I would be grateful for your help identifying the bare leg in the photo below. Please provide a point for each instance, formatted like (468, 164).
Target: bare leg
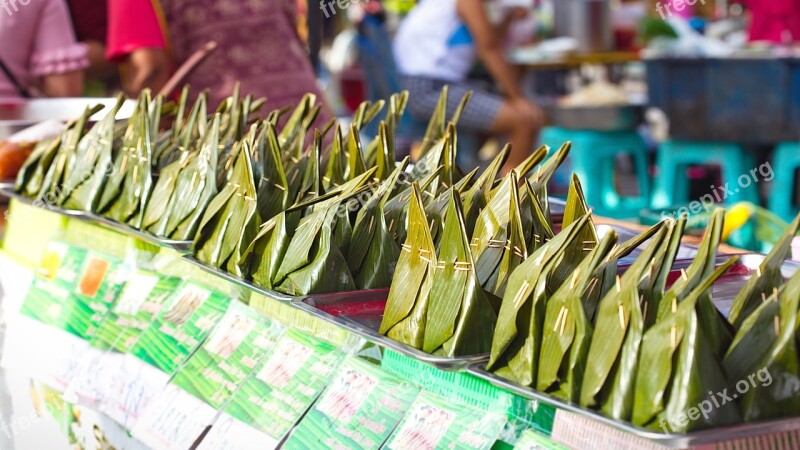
(522, 121)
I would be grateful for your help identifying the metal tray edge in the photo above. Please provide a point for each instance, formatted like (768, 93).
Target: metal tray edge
(442, 363)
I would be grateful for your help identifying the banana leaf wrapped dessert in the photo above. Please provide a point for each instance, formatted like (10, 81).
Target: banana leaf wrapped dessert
(764, 355)
(409, 295)
(127, 189)
(767, 280)
(517, 337)
(460, 319)
(680, 372)
(567, 330)
(313, 262)
(184, 189)
(231, 220)
(373, 253)
(608, 383)
(93, 159)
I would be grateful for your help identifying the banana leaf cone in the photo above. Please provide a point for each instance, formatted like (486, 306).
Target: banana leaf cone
(567, 329)
(396, 209)
(442, 157)
(60, 168)
(184, 190)
(460, 319)
(764, 354)
(381, 152)
(679, 371)
(492, 229)
(92, 161)
(185, 132)
(273, 187)
(611, 365)
(518, 334)
(336, 169)
(436, 211)
(292, 136)
(373, 253)
(437, 126)
(127, 189)
(478, 195)
(576, 208)
(513, 251)
(230, 222)
(544, 173)
(768, 278)
(313, 264)
(606, 273)
(409, 295)
(718, 329)
(355, 156)
(31, 174)
(537, 228)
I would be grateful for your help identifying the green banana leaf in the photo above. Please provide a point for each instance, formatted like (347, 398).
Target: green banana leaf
(60, 168)
(230, 222)
(611, 365)
(678, 368)
(396, 209)
(127, 189)
(478, 195)
(768, 278)
(513, 250)
(273, 187)
(336, 169)
(436, 211)
(764, 355)
(92, 161)
(576, 208)
(313, 264)
(409, 294)
(184, 190)
(460, 319)
(355, 156)
(373, 253)
(31, 174)
(567, 330)
(536, 227)
(544, 173)
(517, 337)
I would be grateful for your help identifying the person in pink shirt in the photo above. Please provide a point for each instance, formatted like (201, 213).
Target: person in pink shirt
(39, 54)
(776, 21)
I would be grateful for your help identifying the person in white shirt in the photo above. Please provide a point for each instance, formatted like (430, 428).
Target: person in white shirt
(438, 43)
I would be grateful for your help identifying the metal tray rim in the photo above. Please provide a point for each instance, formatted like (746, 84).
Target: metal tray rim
(440, 362)
(274, 295)
(674, 440)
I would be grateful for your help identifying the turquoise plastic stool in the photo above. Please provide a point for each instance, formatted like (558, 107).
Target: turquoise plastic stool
(672, 186)
(785, 161)
(593, 158)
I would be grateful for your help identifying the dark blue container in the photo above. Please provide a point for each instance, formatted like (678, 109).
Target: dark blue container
(754, 101)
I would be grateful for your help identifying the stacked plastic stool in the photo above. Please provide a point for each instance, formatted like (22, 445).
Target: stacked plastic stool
(674, 157)
(785, 162)
(593, 159)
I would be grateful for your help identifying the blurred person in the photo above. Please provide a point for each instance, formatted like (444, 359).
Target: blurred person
(90, 21)
(439, 43)
(39, 55)
(258, 46)
(776, 21)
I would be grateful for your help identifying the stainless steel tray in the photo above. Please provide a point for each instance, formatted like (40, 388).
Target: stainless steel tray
(179, 246)
(711, 436)
(237, 281)
(8, 191)
(366, 325)
(597, 118)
